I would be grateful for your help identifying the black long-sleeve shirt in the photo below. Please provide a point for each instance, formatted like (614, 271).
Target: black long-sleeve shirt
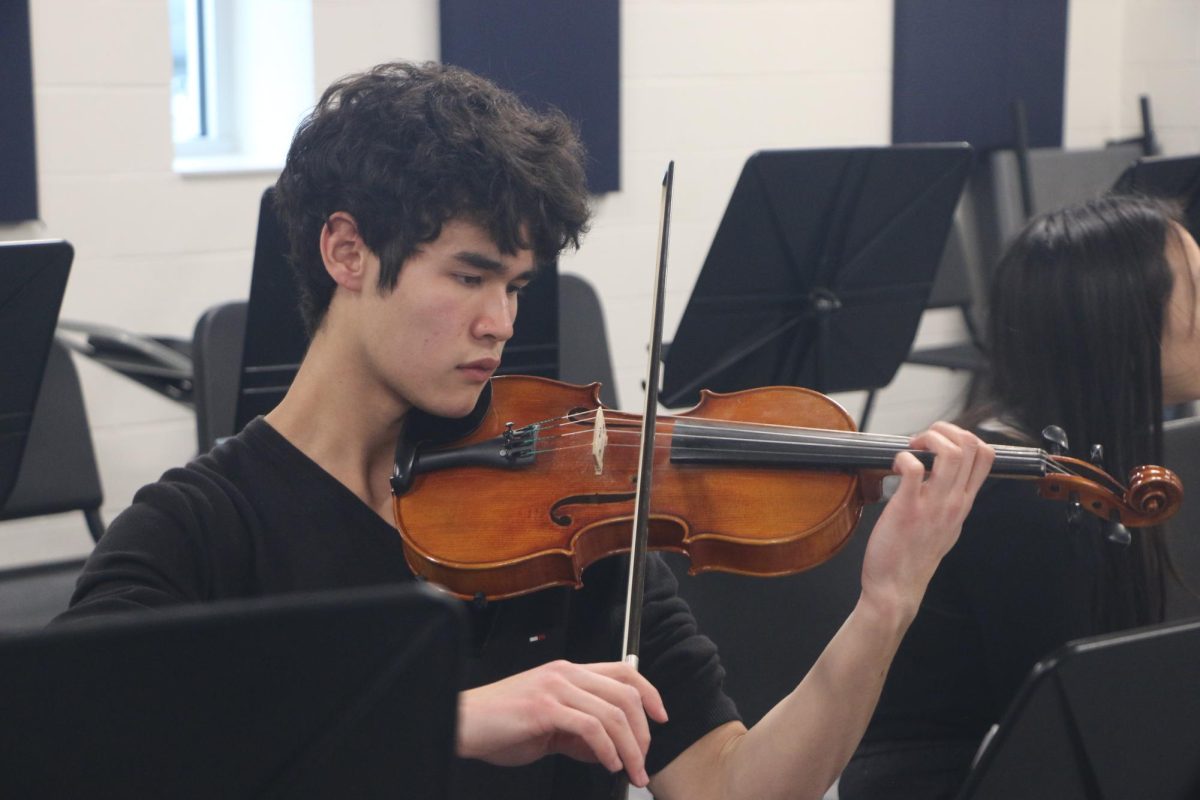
(257, 517)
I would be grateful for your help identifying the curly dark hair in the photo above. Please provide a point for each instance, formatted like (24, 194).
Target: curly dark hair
(404, 148)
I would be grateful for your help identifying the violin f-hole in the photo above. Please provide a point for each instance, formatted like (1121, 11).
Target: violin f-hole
(585, 499)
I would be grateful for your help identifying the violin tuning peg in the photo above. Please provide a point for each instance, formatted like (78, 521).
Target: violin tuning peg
(1074, 510)
(1096, 456)
(1117, 533)
(1055, 439)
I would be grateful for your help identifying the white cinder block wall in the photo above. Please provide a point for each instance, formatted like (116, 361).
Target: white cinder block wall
(704, 83)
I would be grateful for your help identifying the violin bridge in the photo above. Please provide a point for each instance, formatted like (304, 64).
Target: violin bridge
(599, 441)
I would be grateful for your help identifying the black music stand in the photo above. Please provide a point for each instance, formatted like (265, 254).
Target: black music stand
(1172, 177)
(343, 694)
(1108, 717)
(275, 338)
(33, 278)
(819, 270)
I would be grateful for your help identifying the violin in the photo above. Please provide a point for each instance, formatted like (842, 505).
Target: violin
(761, 482)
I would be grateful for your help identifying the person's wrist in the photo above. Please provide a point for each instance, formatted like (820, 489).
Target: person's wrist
(886, 613)
(465, 745)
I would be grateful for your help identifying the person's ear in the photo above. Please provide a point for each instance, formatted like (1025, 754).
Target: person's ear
(344, 252)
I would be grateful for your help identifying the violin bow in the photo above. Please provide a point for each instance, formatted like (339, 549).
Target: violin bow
(641, 516)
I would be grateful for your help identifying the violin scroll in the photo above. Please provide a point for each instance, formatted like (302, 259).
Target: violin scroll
(1155, 493)
(1152, 497)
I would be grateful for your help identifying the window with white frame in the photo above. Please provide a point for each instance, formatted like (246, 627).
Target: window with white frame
(242, 78)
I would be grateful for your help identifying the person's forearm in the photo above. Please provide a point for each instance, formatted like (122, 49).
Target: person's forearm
(801, 746)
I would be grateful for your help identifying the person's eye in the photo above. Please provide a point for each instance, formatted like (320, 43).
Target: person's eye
(518, 289)
(467, 279)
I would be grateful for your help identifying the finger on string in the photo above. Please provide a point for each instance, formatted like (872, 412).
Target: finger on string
(945, 454)
(968, 447)
(985, 457)
(912, 474)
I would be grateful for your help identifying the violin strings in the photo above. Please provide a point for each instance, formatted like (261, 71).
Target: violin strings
(799, 435)
(822, 455)
(847, 441)
(713, 428)
(1017, 456)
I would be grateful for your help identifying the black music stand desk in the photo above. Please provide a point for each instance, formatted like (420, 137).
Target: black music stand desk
(341, 694)
(1109, 717)
(33, 278)
(819, 271)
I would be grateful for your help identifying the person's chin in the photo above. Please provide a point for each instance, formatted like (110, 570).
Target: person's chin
(460, 404)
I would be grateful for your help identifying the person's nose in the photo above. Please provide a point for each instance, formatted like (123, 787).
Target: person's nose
(496, 319)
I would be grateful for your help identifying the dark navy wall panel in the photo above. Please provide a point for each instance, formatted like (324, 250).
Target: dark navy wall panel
(564, 53)
(18, 166)
(960, 64)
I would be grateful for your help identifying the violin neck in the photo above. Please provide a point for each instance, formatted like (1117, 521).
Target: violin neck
(713, 442)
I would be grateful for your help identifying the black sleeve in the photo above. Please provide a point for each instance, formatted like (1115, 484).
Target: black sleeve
(683, 665)
(178, 537)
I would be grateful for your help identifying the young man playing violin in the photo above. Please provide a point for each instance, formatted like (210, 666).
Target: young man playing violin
(419, 200)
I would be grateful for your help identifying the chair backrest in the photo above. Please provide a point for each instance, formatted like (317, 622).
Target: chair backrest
(58, 472)
(583, 337)
(275, 339)
(1057, 178)
(1181, 441)
(216, 365)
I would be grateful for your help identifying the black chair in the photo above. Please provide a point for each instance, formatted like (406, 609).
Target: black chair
(582, 337)
(216, 366)
(1181, 440)
(1056, 178)
(58, 471)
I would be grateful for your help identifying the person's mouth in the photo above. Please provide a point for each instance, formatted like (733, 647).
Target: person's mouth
(480, 369)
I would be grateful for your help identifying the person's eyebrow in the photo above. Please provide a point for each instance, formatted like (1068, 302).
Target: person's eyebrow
(489, 264)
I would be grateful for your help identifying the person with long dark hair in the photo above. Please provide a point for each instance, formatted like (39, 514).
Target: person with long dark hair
(1092, 327)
